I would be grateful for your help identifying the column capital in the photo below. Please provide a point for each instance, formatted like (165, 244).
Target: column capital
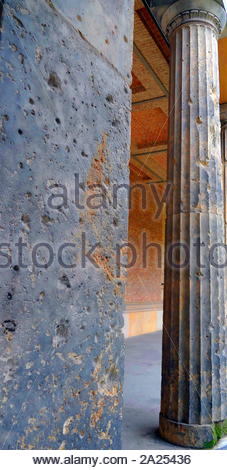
(223, 114)
(209, 12)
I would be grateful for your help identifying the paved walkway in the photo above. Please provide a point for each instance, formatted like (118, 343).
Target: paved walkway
(142, 393)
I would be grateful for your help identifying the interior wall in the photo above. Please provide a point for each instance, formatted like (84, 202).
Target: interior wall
(144, 291)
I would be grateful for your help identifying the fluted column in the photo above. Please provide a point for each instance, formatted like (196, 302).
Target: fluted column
(193, 403)
(224, 159)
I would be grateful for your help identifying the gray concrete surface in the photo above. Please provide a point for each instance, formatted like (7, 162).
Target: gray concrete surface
(65, 119)
(142, 388)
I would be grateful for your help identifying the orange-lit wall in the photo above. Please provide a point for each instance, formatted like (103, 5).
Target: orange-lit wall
(222, 45)
(145, 284)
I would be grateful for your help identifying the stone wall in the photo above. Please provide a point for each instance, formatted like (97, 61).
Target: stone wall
(65, 111)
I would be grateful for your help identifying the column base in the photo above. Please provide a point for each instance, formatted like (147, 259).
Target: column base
(192, 435)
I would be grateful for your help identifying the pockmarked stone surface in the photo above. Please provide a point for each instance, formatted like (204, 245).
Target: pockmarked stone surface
(193, 408)
(223, 110)
(65, 119)
(108, 27)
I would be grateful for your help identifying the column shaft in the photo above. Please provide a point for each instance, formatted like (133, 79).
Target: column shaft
(194, 366)
(224, 160)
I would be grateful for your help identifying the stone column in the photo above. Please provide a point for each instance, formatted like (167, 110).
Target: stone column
(193, 403)
(64, 140)
(224, 159)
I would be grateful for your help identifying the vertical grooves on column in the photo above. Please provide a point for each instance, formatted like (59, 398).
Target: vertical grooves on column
(193, 294)
(197, 271)
(218, 370)
(224, 332)
(181, 354)
(174, 332)
(166, 344)
(205, 335)
(206, 408)
(193, 337)
(177, 283)
(214, 202)
(183, 390)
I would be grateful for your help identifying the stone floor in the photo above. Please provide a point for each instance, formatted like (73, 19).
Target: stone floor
(142, 393)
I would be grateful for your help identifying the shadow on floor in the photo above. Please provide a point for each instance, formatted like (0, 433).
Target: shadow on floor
(142, 390)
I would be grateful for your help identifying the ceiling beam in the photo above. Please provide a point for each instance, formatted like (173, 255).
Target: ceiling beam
(146, 167)
(152, 103)
(153, 152)
(150, 69)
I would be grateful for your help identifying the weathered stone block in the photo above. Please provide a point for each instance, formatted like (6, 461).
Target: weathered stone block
(65, 110)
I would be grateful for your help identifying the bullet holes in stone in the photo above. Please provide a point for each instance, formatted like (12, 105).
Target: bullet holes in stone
(109, 98)
(16, 268)
(65, 281)
(21, 58)
(115, 123)
(31, 101)
(20, 132)
(25, 218)
(46, 219)
(18, 21)
(62, 328)
(54, 81)
(42, 295)
(9, 326)
(58, 121)
(9, 296)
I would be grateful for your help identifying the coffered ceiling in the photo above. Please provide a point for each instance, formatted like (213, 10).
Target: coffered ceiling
(150, 83)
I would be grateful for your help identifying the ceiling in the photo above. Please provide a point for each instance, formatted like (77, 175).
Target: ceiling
(150, 83)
